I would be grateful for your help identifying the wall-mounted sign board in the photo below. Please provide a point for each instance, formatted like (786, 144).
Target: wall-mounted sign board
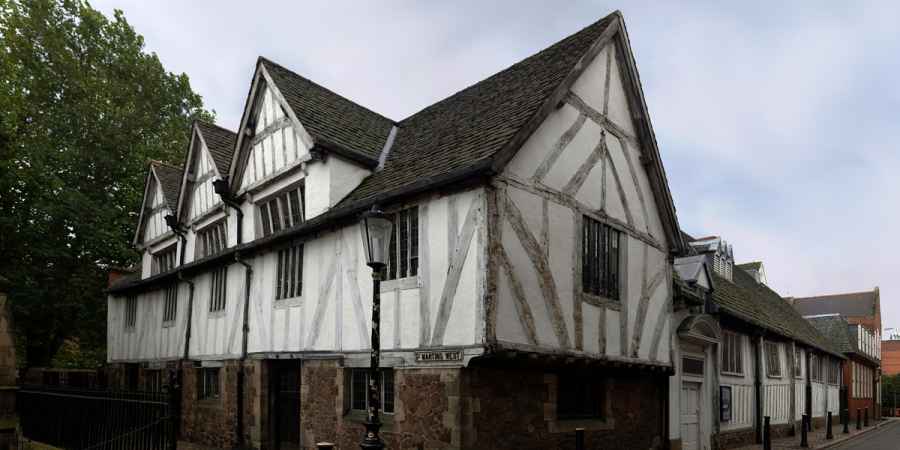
(439, 356)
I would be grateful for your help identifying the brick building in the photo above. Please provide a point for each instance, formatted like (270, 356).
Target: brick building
(861, 370)
(861, 309)
(890, 357)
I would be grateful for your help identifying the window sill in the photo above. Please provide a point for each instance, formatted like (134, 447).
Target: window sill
(285, 303)
(401, 284)
(358, 416)
(601, 301)
(732, 374)
(569, 425)
(168, 323)
(217, 314)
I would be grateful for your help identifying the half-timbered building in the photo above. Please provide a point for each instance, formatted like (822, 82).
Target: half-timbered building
(743, 354)
(532, 286)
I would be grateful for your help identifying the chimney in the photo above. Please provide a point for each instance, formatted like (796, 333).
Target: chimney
(115, 273)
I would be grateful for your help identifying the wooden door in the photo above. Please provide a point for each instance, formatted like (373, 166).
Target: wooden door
(690, 416)
(286, 405)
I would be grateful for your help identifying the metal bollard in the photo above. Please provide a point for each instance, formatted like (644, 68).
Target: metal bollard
(845, 416)
(866, 418)
(858, 419)
(325, 446)
(803, 430)
(579, 439)
(767, 434)
(828, 433)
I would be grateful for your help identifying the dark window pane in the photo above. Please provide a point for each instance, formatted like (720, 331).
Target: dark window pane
(296, 211)
(264, 217)
(392, 253)
(388, 390)
(276, 215)
(358, 388)
(403, 225)
(414, 240)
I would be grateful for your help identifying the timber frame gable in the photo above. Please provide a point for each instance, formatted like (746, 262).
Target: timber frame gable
(644, 137)
(162, 179)
(323, 122)
(201, 145)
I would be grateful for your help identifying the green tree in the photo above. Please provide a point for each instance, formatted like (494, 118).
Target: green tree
(83, 107)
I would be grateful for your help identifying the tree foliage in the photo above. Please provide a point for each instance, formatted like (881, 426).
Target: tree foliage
(83, 107)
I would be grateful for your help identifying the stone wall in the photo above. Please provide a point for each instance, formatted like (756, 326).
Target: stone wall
(209, 422)
(516, 408)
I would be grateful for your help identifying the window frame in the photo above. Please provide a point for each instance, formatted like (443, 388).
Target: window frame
(586, 386)
(387, 383)
(403, 253)
(218, 290)
(289, 279)
(283, 201)
(773, 355)
(607, 281)
(170, 304)
(207, 234)
(738, 345)
(167, 256)
(797, 369)
(209, 383)
(130, 315)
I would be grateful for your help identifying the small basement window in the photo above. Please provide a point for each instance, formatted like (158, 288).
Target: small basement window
(579, 396)
(208, 383)
(359, 390)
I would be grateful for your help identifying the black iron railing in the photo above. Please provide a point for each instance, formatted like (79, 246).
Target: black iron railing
(75, 418)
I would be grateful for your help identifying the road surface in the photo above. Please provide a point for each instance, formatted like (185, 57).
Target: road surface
(885, 438)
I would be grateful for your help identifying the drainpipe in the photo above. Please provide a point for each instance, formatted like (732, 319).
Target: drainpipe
(190, 315)
(222, 189)
(245, 330)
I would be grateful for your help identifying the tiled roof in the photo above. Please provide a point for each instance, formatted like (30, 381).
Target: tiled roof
(170, 182)
(755, 265)
(848, 305)
(477, 122)
(330, 117)
(837, 330)
(759, 305)
(220, 143)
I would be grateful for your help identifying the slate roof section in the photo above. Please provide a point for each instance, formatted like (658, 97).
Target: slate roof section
(170, 182)
(329, 117)
(755, 265)
(220, 143)
(837, 330)
(749, 301)
(854, 304)
(474, 124)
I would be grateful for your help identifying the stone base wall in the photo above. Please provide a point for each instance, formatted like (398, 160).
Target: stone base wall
(209, 422)
(426, 405)
(734, 439)
(516, 408)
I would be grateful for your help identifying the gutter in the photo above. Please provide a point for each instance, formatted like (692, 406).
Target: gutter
(329, 220)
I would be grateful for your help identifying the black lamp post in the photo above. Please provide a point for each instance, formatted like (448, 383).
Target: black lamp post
(376, 230)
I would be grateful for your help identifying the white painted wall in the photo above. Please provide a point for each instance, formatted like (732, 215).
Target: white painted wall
(743, 400)
(334, 312)
(202, 197)
(279, 150)
(155, 222)
(572, 164)
(777, 390)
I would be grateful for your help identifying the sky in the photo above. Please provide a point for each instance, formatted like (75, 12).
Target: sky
(777, 122)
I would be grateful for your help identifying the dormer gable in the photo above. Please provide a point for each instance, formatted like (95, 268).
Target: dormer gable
(161, 192)
(209, 158)
(719, 254)
(289, 121)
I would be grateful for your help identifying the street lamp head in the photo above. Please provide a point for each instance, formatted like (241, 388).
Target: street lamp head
(376, 229)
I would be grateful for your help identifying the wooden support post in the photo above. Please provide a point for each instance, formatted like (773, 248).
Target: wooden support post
(767, 434)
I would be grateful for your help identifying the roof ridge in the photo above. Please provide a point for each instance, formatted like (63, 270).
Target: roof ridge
(212, 124)
(263, 59)
(510, 67)
(816, 297)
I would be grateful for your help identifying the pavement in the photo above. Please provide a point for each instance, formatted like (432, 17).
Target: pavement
(882, 435)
